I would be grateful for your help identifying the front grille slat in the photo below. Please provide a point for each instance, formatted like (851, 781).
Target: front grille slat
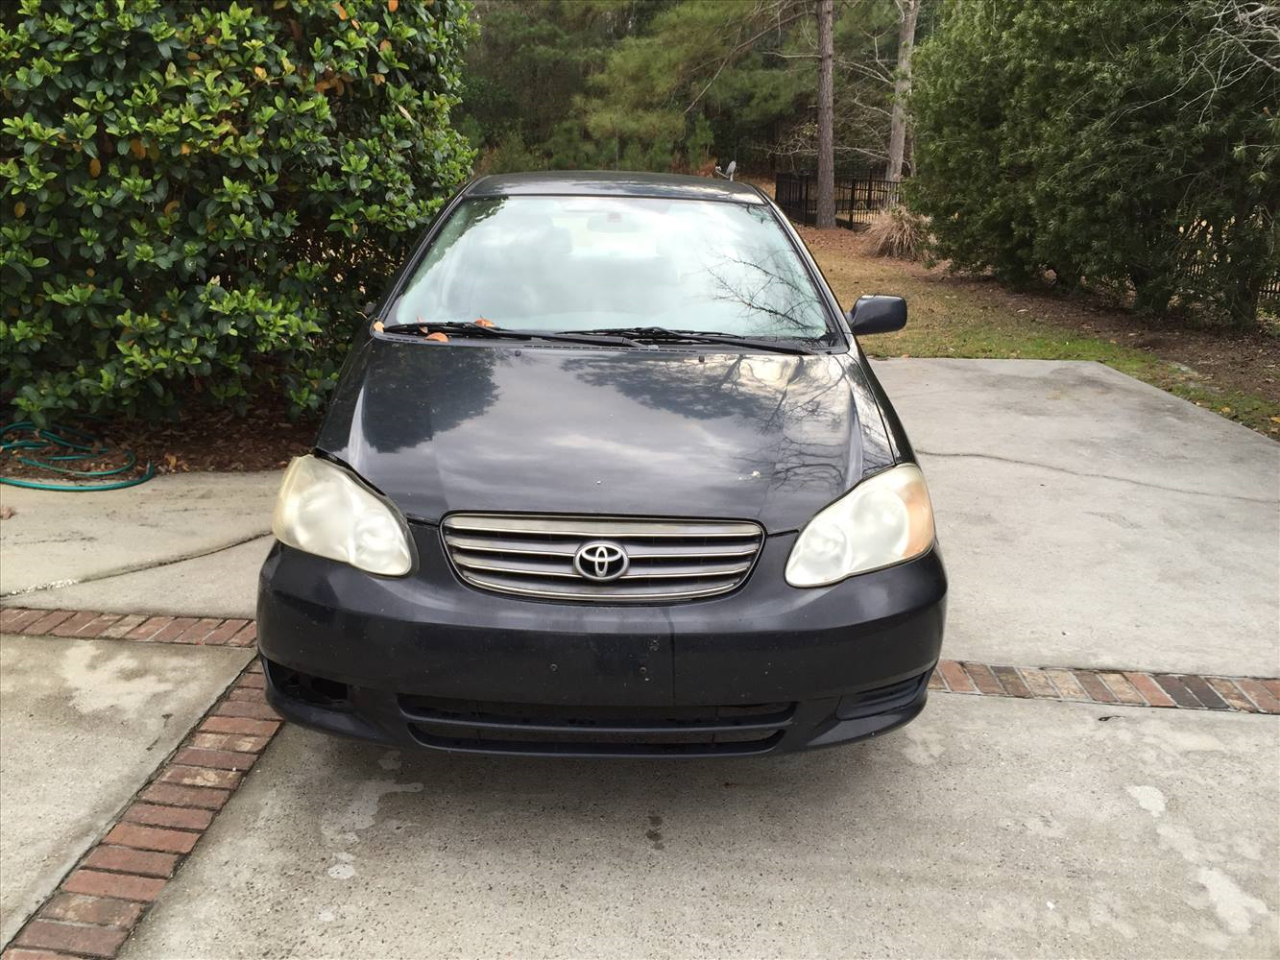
(525, 567)
(571, 590)
(471, 544)
(670, 571)
(533, 556)
(594, 528)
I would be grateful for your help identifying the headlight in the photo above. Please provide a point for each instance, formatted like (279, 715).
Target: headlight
(324, 510)
(884, 520)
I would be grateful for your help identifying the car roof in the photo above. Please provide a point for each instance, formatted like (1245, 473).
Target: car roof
(609, 183)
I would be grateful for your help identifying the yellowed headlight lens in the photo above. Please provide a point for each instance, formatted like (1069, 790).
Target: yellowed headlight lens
(322, 509)
(884, 520)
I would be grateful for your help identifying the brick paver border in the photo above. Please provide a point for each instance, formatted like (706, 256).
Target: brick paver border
(100, 902)
(1116, 687)
(1136, 688)
(90, 625)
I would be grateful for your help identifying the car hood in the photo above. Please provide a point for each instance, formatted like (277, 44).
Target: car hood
(653, 433)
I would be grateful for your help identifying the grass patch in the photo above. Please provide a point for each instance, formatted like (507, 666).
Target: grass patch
(957, 317)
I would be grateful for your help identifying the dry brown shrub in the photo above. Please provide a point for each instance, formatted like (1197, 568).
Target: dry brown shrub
(897, 233)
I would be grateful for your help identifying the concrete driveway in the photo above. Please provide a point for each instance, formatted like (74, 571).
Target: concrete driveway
(1088, 521)
(64, 539)
(84, 723)
(1091, 519)
(1000, 828)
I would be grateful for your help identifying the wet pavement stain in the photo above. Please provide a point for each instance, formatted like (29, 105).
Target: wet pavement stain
(653, 834)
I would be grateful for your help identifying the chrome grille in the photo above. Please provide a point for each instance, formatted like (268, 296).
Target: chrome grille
(534, 556)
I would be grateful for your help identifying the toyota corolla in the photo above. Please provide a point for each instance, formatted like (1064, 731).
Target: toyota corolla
(606, 473)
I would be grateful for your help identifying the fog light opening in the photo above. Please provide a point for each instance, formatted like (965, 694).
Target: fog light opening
(317, 691)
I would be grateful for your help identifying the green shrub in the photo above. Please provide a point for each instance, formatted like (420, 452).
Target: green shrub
(198, 199)
(1134, 146)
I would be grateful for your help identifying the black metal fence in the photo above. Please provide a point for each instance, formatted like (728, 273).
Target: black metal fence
(859, 200)
(1269, 294)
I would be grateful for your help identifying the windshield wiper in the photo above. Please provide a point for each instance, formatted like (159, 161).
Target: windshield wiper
(665, 335)
(469, 328)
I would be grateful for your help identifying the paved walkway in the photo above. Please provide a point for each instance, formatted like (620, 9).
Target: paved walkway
(1095, 774)
(77, 538)
(84, 724)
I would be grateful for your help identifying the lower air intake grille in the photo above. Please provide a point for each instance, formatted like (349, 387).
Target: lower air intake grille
(601, 559)
(603, 731)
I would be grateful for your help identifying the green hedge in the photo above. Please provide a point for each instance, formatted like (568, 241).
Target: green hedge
(198, 199)
(1134, 146)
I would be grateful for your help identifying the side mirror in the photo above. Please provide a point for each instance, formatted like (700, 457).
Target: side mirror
(877, 314)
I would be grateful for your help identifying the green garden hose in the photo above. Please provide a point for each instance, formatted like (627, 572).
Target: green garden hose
(79, 446)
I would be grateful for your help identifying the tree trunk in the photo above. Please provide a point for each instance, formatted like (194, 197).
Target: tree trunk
(826, 213)
(910, 12)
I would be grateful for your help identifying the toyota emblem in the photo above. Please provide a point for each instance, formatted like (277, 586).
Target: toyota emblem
(601, 561)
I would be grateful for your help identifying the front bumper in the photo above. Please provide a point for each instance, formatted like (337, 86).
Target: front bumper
(427, 661)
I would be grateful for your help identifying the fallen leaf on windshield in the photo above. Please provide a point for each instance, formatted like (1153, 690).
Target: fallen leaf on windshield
(483, 322)
(377, 325)
(438, 337)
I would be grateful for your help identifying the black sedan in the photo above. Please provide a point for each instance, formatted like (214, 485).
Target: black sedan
(606, 474)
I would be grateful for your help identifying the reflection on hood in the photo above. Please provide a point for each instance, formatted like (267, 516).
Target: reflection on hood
(670, 433)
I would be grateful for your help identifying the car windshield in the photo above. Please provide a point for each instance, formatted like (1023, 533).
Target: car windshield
(589, 263)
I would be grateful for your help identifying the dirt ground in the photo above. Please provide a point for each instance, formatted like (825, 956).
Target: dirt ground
(200, 440)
